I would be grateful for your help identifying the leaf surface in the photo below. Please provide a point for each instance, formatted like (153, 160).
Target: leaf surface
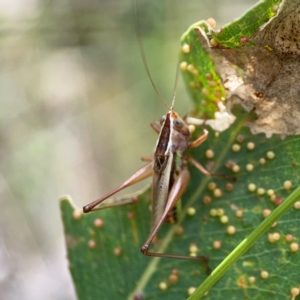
(106, 262)
(98, 272)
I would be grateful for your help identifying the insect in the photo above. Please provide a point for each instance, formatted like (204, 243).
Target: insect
(167, 166)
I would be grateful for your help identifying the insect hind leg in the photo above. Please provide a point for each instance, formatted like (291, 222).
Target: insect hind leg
(205, 172)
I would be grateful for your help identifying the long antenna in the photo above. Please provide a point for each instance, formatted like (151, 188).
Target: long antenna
(138, 34)
(175, 86)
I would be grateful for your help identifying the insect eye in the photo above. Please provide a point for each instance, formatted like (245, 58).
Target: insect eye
(162, 119)
(178, 123)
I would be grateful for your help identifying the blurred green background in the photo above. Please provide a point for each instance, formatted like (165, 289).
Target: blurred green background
(75, 111)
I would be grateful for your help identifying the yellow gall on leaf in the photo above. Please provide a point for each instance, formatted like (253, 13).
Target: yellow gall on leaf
(92, 244)
(287, 185)
(260, 191)
(77, 214)
(212, 22)
(186, 48)
(211, 185)
(224, 219)
(217, 245)
(251, 187)
(98, 223)
(251, 279)
(205, 92)
(209, 154)
(118, 252)
(190, 68)
(250, 146)
(294, 247)
(214, 42)
(213, 212)
(183, 65)
(297, 205)
(236, 147)
(239, 213)
(262, 161)
(289, 237)
(193, 249)
(249, 167)
(236, 168)
(179, 230)
(295, 291)
(270, 154)
(275, 8)
(218, 193)
(220, 212)
(191, 290)
(191, 211)
(264, 274)
(195, 72)
(231, 230)
(266, 212)
(276, 236)
(163, 286)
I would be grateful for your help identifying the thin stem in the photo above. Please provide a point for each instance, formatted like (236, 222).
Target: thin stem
(247, 243)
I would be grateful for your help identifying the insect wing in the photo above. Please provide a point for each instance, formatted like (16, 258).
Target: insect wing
(160, 188)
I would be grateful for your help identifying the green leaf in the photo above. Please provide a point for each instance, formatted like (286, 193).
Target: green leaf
(202, 80)
(231, 36)
(99, 273)
(105, 261)
(247, 243)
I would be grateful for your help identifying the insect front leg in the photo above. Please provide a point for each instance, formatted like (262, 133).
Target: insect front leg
(175, 194)
(155, 126)
(139, 175)
(199, 140)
